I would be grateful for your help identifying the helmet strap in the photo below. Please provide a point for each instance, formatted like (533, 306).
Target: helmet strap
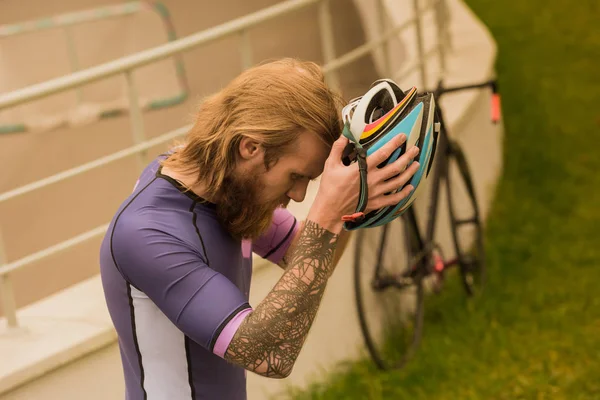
(351, 221)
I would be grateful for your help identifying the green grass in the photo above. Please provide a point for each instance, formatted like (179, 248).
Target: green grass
(536, 333)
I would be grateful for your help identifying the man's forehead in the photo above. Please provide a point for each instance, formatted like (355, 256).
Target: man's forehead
(311, 164)
(313, 170)
(309, 153)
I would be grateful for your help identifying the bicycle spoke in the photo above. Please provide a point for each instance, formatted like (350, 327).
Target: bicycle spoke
(389, 301)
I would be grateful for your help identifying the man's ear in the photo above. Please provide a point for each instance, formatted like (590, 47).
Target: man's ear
(249, 148)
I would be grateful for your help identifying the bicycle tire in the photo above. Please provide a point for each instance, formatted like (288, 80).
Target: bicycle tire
(471, 259)
(381, 347)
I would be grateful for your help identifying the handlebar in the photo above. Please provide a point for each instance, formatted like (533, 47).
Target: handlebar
(495, 100)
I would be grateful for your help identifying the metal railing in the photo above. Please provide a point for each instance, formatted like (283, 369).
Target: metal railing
(126, 65)
(67, 21)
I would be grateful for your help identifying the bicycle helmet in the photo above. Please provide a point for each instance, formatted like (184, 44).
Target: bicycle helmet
(372, 120)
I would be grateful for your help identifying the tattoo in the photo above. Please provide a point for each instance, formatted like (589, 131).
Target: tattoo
(270, 338)
(283, 264)
(285, 260)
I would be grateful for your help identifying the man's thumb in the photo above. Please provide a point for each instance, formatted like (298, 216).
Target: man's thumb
(337, 150)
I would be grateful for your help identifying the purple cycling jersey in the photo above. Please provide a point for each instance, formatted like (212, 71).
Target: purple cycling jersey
(176, 286)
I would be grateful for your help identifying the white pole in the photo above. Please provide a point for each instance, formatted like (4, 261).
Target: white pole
(327, 42)
(73, 58)
(7, 296)
(245, 49)
(420, 50)
(137, 122)
(385, 53)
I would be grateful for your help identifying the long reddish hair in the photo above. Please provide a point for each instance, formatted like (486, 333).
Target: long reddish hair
(271, 103)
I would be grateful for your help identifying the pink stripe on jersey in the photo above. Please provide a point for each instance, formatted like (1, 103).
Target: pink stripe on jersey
(246, 248)
(278, 254)
(274, 243)
(227, 333)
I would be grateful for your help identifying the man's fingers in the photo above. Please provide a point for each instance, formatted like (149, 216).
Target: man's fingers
(337, 149)
(397, 167)
(398, 197)
(398, 181)
(390, 199)
(386, 151)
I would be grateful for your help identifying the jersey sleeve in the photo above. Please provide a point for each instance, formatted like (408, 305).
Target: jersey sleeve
(202, 303)
(274, 243)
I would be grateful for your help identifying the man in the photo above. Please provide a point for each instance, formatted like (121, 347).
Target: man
(176, 260)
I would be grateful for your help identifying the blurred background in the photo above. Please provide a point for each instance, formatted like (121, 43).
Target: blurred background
(91, 90)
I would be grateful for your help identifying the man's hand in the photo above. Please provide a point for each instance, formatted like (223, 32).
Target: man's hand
(339, 188)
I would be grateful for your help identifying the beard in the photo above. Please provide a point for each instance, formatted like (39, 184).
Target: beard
(240, 210)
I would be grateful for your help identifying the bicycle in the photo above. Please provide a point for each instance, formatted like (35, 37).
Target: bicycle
(422, 256)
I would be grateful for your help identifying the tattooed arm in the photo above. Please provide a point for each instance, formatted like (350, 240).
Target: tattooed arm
(343, 240)
(270, 338)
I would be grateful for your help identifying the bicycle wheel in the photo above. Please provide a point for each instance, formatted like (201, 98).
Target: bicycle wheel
(389, 292)
(465, 222)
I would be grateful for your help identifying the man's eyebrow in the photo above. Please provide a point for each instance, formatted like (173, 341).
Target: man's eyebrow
(304, 174)
(311, 176)
(308, 173)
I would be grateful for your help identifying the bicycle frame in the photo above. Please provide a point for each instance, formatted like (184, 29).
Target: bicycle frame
(424, 243)
(424, 256)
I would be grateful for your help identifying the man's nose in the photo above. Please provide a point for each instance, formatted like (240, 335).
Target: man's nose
(298, 191)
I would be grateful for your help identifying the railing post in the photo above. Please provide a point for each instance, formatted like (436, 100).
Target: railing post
(7, 296)
(73, 59)
(385, 53)
(420, 50)
(327, 43)
(440, 21)
(245, 49)
(137, 122)
(445, 15)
